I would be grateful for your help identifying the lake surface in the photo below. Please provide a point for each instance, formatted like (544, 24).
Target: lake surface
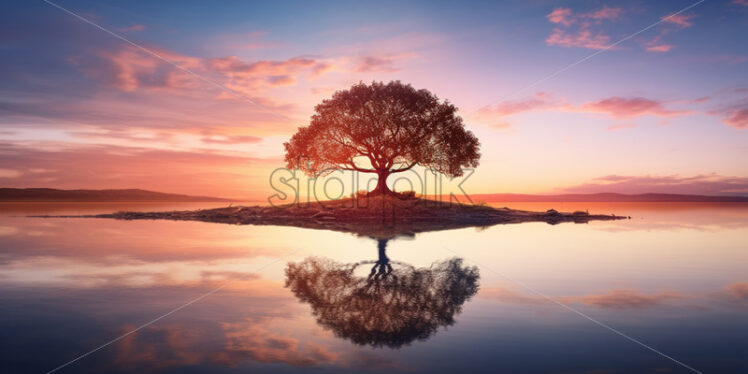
(521, 298)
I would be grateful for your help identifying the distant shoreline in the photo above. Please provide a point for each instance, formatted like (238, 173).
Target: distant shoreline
(50, 195)
(608, 197)
(119, 201)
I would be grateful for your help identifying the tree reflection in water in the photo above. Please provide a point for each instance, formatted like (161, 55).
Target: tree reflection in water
(391, 306)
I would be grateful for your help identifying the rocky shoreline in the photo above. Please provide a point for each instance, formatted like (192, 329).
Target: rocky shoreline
(375, 217)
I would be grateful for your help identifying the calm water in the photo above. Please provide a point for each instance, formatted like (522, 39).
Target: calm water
(674, 277)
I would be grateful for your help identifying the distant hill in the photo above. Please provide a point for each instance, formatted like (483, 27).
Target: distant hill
(607, 197)
(51, 194)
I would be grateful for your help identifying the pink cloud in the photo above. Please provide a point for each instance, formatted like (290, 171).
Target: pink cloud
(660, 48)
(682, 20)
(735, 294)
(583, 35)
(248, 339)
(620, 107)
(615, 107)
(586, 30)
(236, 66)
(322, 68)
(731, 106)
(605, 13)
(679, 20)
(129, 69)
(620, 299)
(737, 291)
(710, 184)
(740, 2)
(513, 107)
(583, 38)
(614, 299)
(240, 341)
(540, 101)
(625, 299)
(562, 16)
(737, 119)
(511, 296)
(248, 77)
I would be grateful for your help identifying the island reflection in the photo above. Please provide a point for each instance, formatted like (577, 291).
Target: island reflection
(392, 306)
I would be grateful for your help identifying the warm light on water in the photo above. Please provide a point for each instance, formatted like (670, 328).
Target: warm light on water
(673, 277)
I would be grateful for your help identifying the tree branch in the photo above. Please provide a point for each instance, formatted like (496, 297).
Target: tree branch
(403, 169)
(356, 168)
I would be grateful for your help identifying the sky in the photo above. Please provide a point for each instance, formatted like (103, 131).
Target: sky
(198, 97)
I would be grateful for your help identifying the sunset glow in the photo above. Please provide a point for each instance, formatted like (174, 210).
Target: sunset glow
(203, 98)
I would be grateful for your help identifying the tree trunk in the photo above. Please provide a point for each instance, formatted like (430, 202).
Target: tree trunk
(382, 249)
(382, 183)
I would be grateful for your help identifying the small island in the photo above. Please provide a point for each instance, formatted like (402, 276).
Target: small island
(376, 216)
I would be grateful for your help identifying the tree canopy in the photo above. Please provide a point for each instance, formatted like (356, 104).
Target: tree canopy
(383, 128)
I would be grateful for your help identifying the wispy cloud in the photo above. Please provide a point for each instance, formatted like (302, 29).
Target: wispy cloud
(670, 24)
(737, 119)
(209, 172)
(231, 139)
(709, 184)
(660, 47)
(592, 29)
(622, 107)
(616, 107)
(682, 20)
(625, 299)
(539, 101)
(562, 16)
(383, 63)
(129, 69)
(10, 173)
(737, 291)
(581, 29)
(619, 299)
(605, 12)
(583, 38)
(732, 108)
(135, 27)
(255, 76)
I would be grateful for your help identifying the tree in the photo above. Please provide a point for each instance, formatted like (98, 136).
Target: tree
(383, 129)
